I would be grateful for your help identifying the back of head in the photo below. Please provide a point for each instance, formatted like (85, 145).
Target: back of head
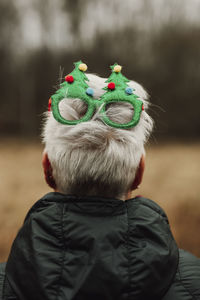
(93, 158)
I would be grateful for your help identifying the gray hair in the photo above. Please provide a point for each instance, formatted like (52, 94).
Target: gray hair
(92, 158)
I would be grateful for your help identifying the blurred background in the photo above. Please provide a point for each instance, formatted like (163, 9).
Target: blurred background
(158, 44)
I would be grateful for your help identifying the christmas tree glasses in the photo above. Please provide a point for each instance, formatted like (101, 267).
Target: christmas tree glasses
(117, 91)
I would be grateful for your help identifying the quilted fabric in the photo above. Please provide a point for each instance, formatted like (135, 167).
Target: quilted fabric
(80, 248)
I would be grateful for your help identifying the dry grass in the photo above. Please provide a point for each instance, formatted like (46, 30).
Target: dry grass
(172, 179)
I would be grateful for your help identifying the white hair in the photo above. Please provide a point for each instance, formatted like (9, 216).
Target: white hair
(92, 158)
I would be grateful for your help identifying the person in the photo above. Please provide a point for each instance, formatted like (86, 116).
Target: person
(89, 239)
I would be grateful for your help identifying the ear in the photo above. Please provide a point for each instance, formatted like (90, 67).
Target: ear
(48, 171)
(139, 174)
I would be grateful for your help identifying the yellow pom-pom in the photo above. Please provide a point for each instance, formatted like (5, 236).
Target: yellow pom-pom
(83, 67)
(117, 68)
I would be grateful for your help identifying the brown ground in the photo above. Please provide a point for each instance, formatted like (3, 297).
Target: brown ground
(172, 179)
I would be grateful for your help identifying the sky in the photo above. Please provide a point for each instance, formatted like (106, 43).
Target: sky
(49, 24)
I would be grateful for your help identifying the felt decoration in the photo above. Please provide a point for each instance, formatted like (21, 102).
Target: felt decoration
(117, 77)
(69, 78)
(111, 86)
(83, 67)
(75, 89)
(120, 95)
(49, 105)
(117, 91)
(90, 92)
(129, 90)
(117, 68)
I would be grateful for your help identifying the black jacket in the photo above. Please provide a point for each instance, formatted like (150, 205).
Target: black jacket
(82, 248)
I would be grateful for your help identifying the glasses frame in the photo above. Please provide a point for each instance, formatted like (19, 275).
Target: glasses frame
(95, 104)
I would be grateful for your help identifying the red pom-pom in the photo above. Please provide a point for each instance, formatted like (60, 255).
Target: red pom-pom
(111, 86)
(69, 78)
(142, 107)
(49, 105)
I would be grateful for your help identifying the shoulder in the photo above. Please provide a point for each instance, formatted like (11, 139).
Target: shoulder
(189, 272)
(186, 285)
(148, 205)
